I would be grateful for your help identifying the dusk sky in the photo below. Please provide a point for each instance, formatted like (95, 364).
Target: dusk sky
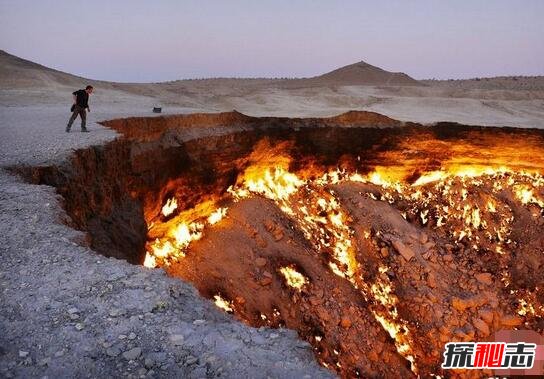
(142, 41)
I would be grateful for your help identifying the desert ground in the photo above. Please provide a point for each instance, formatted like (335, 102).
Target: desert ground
(68, 311)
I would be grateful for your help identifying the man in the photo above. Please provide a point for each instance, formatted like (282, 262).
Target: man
(80, 107)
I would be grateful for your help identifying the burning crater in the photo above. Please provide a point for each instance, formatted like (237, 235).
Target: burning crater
(377, 241)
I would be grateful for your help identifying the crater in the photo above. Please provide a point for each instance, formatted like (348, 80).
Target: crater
(378, 241)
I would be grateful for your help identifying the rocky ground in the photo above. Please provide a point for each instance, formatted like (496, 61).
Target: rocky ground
(68, 312)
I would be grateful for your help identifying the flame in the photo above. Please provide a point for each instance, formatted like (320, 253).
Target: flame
(382, 292)
(184, 234)
(526, 195)
(217, 216)
(149, 261)
(170, 206)
(223, 304)
(293, 278)
(462, 198)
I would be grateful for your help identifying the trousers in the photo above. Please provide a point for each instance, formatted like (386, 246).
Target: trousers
(82, 113)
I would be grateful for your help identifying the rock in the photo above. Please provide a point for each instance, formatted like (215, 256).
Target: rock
(142, 371)
(23, 354)
(113, 351)
(73, 310)
(261, 242)
(403, 250)
(423, 238)
(486, 315)
(511, 320)
(484, 278)
(190, 360)
(79, 326)
(149, 363)
(384, 251)
(269, 224)
(429, 245)
(59, 353)
(44, 362)
(459, 304)
(345, 323)
(114, 312)
(265, 281)
(260, 262)
(462, 304)
(459, 333)
(481, 326)
(448, 258)
(132, 354)
(315, 301)
(278, 235)
(240, 300)
(431, 281)
(177, 339)
(132, 336)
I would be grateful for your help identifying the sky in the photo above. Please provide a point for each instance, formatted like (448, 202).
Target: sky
(159, 40)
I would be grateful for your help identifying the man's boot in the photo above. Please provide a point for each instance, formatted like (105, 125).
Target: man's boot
(84, 130)
(67, 129)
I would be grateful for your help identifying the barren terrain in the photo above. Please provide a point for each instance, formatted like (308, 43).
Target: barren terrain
(394, 260)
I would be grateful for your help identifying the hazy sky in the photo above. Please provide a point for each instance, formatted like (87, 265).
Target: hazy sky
(139, 40)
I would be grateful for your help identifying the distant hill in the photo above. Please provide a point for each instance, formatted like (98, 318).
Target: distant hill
(19, 73)
(529, 83)
(362, 73)
(16, 72)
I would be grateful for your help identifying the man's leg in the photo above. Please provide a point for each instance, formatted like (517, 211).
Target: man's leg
(72, 118)
(83, 115)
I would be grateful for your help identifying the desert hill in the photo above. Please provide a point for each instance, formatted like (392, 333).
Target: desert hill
(17, 72)
(362, 73)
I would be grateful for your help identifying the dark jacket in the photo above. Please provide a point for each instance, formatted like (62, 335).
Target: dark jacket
(82, 98)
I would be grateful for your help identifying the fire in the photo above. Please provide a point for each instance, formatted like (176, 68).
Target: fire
(170, 206)
(382, 292)
(526, 195)
(149, 261)
(293, 278)
(184, 234)
(223, 304)
(461, 201)
(217, 216)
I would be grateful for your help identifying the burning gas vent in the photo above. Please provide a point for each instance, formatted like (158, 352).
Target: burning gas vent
(378, 242)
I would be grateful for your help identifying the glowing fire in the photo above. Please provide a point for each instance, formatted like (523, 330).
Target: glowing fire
(293, 278)
(170, 206)
(461, 200)
(217, 216)
(223, 304)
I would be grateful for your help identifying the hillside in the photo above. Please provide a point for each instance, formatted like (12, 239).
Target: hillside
(362, 73)
(515, 83)
(18, 73)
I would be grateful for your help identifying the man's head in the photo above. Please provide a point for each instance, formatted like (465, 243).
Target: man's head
(89, 89)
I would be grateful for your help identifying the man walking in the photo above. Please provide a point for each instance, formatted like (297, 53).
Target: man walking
(80, 107)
